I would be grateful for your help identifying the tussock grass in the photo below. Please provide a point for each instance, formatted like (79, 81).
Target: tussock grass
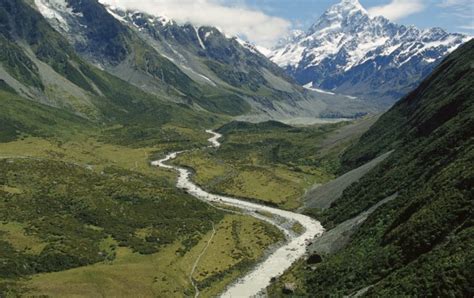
(239, 241)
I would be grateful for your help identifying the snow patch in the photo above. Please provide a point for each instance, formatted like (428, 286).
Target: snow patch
(289, 56)
(264, 51)
(199, 38)
(54, 10)
(247, 45)
(200, 75)
(309, 86)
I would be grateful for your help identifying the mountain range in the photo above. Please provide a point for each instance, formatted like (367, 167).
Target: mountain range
(346, 65)
(349, 51)
(196, 66)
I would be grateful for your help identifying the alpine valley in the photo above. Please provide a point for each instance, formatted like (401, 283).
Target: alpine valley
(145, 157)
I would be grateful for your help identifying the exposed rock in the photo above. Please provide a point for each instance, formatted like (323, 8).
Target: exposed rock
(289, 288)
(314, 259)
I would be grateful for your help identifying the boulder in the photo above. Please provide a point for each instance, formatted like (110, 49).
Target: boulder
(314, 259)
(289, 288)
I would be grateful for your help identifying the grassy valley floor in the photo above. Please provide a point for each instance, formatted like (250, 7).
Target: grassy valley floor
(87, 218)
(238, 243)
(272, 162)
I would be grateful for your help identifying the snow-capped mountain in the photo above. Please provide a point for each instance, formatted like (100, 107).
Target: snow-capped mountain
(193, 65)
(351, 52)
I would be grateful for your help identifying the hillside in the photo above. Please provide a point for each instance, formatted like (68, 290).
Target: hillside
(197, 66)
(421, 241)
(39, 65)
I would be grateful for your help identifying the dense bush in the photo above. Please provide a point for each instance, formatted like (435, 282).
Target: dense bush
(420, 244)
(60, 202)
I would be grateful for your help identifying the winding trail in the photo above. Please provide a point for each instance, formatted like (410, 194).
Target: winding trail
(278, 261)
(196, 263)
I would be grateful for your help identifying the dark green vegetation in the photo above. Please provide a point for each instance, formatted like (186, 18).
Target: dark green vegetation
(19, 117)
(421, 243)
(277, 143)
(18, 64)
(72, 210)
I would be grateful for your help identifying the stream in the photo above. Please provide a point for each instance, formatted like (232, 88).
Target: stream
(254, 282)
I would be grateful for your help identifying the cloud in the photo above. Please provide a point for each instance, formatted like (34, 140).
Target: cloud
(235, 20)
(462, 10)
(459, 8)
(398, 9)
(451, 3)
(467, 27)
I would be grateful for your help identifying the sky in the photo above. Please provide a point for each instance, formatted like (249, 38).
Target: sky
(264, 22)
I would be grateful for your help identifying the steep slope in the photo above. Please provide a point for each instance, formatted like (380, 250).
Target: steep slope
(196, 66)
(39, 65)
(104, 41)
(350, 52)
(210, 57)
(421, 242)
(207, 48)
(20, 117)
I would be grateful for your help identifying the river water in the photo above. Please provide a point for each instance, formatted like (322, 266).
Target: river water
(255, 282)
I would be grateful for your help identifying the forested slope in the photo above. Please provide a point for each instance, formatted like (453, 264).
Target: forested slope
(422, 242)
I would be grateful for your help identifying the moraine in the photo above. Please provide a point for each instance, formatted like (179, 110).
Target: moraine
(278, 261)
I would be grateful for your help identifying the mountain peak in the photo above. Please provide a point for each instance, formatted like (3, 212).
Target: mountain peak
(343, 14)
(347, 7)
(346, 44)
(351, 3)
